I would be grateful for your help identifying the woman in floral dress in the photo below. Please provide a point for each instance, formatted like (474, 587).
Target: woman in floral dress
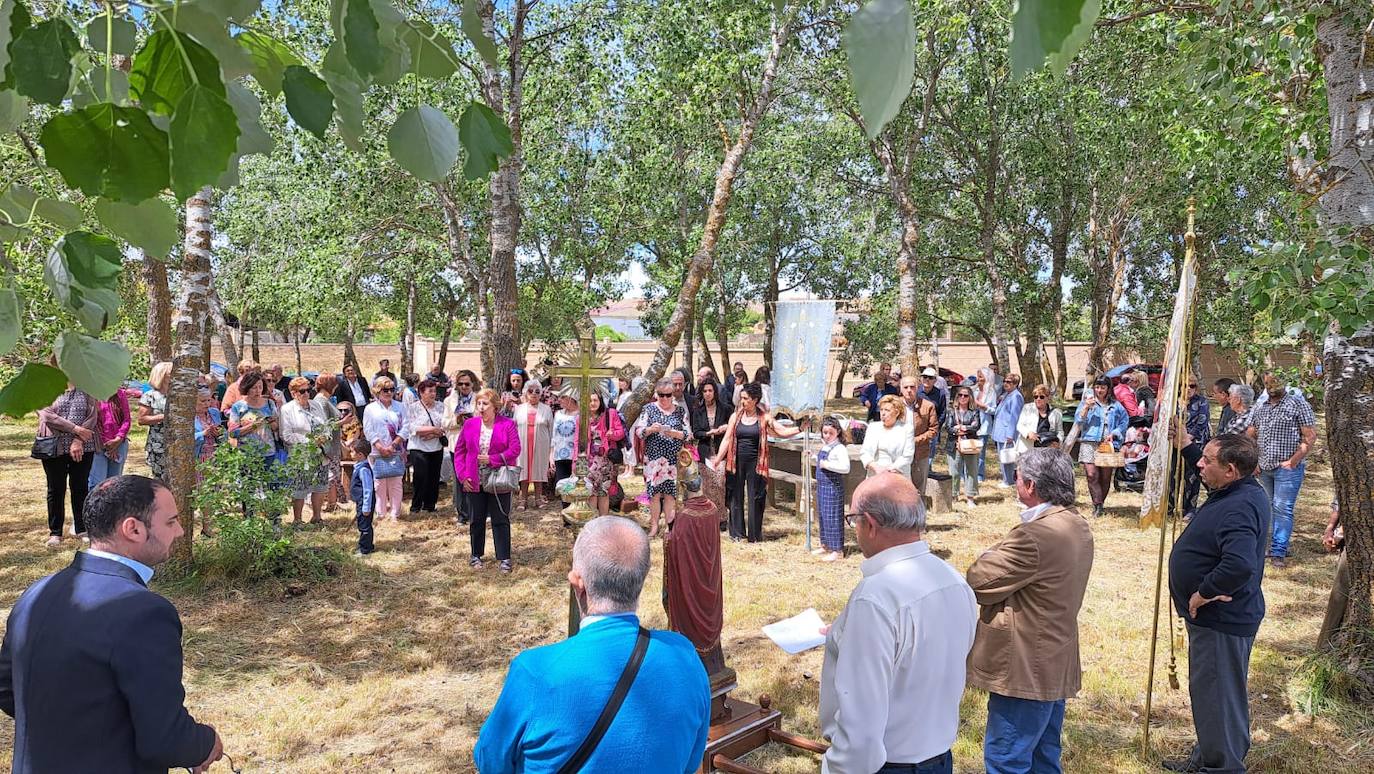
(664, 431)
(152, 411)
(607, 431)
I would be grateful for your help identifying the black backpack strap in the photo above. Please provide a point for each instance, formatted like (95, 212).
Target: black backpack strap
(612, 707)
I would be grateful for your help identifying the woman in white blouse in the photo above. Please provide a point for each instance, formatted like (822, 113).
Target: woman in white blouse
(891, 445)
(303, 423)
(1040, 423)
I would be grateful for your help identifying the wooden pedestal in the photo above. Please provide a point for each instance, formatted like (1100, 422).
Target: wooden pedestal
(737, 727)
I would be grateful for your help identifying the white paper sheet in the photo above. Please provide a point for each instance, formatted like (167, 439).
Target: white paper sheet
(798, 633)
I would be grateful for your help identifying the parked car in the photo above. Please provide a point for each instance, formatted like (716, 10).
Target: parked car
(1154, 371)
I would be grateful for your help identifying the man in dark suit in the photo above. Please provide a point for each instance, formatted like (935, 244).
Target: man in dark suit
(90, 668)
(354, 389)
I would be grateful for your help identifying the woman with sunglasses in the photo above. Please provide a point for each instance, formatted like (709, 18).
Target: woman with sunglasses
(1040, 423)
(963, 420)
(534, 420)
(305, 430)
(382, 423)
(665, 428)
(744, 449)
(350, 430)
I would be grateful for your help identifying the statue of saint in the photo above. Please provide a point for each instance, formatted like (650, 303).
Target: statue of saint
(693, 588)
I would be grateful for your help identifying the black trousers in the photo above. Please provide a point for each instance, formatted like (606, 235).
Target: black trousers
(561, 470)
(1218, 670)
(424, 484)
(61, 473)
(480, 506)
(747, 486)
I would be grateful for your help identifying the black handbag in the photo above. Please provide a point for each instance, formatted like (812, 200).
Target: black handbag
(608, 713)
(44, 448)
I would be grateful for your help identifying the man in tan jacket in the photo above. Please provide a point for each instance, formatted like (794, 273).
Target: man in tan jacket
(1029, 588)
(924, 421)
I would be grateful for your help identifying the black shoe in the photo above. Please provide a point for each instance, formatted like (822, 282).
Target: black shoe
(1097, 511)
(1182, 764)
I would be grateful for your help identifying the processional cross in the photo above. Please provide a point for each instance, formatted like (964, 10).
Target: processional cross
(588, 367)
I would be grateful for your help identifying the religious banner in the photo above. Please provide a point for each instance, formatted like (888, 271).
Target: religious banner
(801, 351)
(1172, 404)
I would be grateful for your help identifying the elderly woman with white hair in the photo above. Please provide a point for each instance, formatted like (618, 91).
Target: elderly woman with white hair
(1241, 399)
(663, 434)
(534, 421)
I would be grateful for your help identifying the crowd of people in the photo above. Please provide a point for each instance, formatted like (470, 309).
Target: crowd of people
(1008, 625)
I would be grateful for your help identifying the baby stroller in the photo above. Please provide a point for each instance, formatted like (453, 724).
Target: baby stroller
(1136, 451)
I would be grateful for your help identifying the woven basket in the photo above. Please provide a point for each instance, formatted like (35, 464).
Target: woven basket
(1107, 457)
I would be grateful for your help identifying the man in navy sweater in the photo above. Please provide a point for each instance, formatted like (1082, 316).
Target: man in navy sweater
(1215, 571)
(90, 668)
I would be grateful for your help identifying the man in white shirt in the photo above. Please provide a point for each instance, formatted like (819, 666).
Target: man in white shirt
(894, 659)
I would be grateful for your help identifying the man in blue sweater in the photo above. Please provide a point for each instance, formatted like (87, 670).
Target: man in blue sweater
(1215, 571)
(555, 694)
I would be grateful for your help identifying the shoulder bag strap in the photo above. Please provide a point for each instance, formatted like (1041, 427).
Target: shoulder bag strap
(612, 707)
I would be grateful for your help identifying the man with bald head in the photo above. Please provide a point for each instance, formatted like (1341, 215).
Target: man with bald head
(550, 714)
(894, 659)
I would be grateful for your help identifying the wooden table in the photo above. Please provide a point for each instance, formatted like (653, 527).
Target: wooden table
(785, 466)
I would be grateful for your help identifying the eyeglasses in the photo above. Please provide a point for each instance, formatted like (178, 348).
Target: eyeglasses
(1192, 386)
(665, 395)
(465, 384)
(1042, 397)
(386, 389)
(852, 517)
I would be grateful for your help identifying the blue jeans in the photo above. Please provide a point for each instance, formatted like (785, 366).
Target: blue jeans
(940, 764)
(1282, 487)
(103, 467)
(983, 457)
(1022, 735)
(364, 522)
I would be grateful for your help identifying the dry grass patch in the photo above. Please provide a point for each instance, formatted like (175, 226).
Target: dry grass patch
(394, 665)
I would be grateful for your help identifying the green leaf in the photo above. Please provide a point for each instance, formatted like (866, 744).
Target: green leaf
(108, 32)
(18, 203)
(486, 138)
(238, 10)
(91, 89)
(161, 74)
(881, 44)
(348, 97)
(41, 60)
(248, 111)
(204, 135)
(431, 54)
(94, 307)
(424, 142)
(96, 366)
(209, 30)
(35, 387)
(64, 215)
(270, 59)
(362, 43)
(9, 320)
(106, 150)
(13, 110)
(472, 28)
(94, 261)
(1053, 29)
(308, 100)
(150, 225)
(14, 19)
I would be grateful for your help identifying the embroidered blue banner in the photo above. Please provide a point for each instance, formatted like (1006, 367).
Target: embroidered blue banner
(801, 353)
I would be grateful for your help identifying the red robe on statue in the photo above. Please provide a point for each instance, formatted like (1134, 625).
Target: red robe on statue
(692, 578)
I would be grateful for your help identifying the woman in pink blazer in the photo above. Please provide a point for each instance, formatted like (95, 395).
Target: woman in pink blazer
(486, 440)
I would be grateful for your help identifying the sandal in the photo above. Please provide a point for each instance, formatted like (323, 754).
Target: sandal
(475, 562)
(505, 565)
